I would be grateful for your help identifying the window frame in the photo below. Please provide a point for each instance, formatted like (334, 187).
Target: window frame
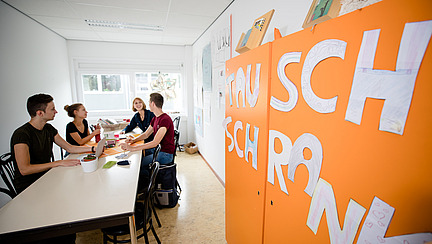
(130, 68)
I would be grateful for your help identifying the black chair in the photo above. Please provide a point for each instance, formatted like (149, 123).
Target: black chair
(7, 173)
(155, 154)
(176, 142)
(143, 216)
(176, 122)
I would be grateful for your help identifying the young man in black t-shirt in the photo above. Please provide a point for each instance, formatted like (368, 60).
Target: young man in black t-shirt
(31, 144)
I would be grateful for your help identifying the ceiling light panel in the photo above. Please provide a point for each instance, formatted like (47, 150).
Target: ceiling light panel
(120, 25)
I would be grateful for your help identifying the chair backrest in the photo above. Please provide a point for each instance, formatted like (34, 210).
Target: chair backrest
(156, 153)
(176, 141)
(176, 122)
(7, 173)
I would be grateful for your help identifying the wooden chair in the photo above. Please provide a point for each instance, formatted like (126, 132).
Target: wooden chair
(7, 173)
(143, 216)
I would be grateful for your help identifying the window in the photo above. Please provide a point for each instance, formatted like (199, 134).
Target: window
(104, 93)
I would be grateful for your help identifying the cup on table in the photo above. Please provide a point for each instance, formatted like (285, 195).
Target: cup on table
(89, 166)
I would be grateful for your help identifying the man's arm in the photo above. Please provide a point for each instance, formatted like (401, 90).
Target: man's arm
(156, 140)
(22, 158)
(143, 136)
(70, 148)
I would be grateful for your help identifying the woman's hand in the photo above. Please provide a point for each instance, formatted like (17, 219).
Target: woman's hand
(96, 132)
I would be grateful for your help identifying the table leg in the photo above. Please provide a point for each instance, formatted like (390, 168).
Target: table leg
(132, 229)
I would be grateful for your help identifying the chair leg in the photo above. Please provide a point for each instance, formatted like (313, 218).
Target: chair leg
(156, 216)
(145, 236)
(155, 235)
(105, 241)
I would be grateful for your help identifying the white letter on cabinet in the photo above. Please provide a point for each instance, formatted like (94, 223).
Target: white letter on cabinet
(287, 58)
(321, 51)
(251, 146)
(323, 198)
(276, 160)
(396, 87)
(313, 165)
(252, 97)
(238, 126)
(225, 123)
(240, 86)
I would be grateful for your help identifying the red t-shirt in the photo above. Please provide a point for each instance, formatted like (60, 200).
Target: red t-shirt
(167, 142)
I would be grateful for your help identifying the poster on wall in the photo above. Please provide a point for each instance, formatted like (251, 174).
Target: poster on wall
(221, 45)
(198, 121)
(207, 107)
(197, 88)
(207, 68)
(219, 74)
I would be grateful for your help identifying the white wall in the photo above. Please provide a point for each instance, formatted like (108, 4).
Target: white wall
(32, 60)
(288, 18)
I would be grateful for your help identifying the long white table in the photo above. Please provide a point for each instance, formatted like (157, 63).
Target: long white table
(66, 200)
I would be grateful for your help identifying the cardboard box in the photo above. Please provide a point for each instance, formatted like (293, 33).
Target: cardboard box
(191, 148)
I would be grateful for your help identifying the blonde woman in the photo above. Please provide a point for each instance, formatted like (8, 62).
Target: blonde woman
(77, 131)
(141, 118)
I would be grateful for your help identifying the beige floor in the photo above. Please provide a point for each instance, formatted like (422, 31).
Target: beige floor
(200, 215)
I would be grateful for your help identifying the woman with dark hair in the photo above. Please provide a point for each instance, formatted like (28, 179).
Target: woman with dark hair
(77, 131)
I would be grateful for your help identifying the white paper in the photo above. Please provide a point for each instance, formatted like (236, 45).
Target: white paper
(287, 58)
(225, 123)
(276, 160)
(324, 199)
(313, 165)
(252, 97)
(321, 51)
(251, 146)
(395, 87)
(377, 222)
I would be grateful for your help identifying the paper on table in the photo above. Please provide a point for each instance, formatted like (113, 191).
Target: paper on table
(109, 164)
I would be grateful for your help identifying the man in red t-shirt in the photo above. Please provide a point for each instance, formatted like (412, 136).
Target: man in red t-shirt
(161, 126)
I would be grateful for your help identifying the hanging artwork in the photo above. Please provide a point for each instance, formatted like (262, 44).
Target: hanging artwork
(254, 36)
(164, 85)
(320, 11)
(207, 68)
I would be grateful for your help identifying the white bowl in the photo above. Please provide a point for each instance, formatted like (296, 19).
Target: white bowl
(89, 166)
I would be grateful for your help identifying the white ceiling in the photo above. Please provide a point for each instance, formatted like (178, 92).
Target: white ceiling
(183, 20)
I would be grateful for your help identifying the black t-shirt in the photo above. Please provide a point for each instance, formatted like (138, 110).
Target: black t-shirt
(71, 128)
(40, 143)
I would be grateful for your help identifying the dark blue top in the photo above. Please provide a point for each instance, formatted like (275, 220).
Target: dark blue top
(142, 124)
